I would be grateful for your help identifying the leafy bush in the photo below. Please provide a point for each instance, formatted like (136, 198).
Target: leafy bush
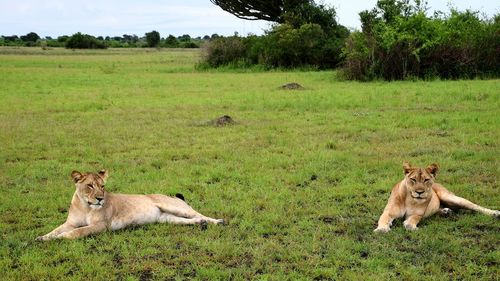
(170, 42)
(283, 46)
(358, 64)
(84, 41)
(286, 46)
(399, 41)
(189, 45)
(308, 35)
(223, 51)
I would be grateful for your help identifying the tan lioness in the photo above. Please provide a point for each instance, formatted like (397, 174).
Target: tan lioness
(417, 196)
(94, 210)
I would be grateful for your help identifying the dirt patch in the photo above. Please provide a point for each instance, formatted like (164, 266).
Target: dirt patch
(117, 261)
(292, 86)
(327, 219)
(146, 274)
(222, 121)
(364, 254)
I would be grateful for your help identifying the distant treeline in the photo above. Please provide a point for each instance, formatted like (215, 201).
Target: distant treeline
(85, 41)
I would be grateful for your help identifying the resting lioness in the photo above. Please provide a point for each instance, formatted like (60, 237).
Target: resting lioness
(418, 196)
(94, 210)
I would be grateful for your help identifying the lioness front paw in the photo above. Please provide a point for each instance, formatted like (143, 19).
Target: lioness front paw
(382, 229)
(42, 238)
(409, 226)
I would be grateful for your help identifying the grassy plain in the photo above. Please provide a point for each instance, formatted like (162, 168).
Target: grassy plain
(302, 177)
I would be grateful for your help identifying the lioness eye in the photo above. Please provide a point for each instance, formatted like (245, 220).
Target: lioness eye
(90, 186)
(426, 180)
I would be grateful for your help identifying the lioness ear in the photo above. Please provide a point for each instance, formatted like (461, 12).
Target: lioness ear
(103, 174)
(432, 169)
(76, 176)
(407, 167)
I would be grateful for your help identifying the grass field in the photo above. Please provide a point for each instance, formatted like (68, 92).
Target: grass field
(302, 177)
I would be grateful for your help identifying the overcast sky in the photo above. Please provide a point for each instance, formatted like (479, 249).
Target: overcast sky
(177, 17)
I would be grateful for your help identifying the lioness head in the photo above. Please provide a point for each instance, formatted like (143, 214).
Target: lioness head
(418, 180)
(90, 187)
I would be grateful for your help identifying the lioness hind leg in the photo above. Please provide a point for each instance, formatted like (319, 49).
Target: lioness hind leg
(189, 215)
(179, 208)
(452, 200)
(169, 218)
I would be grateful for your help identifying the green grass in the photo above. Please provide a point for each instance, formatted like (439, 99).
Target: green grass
(302, 178)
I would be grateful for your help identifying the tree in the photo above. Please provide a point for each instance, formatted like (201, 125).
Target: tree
(84, 41)
(62, 39)
(171, 41)
(132, 39)
(293, 12)
(11, 38)
(153, 38)
(311, 12)
(185, 38)
(30, 37)
(272, 10)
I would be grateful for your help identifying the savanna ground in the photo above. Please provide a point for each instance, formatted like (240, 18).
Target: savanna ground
(302, 177)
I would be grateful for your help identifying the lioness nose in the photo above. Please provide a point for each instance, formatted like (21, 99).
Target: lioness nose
(99, 198)
(419, 192)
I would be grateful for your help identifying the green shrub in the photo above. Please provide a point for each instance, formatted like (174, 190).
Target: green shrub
(283, 46)
(84, 41)
(170, 42)
(223, 51)
(399, 41)
(189, 45)
(308, 36)
(358, 64)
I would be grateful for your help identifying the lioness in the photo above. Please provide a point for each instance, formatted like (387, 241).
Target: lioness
(93, 209)
(418, 196)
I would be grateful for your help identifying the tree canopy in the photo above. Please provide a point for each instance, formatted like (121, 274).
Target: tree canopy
(30, 37)
(153, 38)
(269, 10)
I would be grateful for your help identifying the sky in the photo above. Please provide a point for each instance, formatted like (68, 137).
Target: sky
(177, 17)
